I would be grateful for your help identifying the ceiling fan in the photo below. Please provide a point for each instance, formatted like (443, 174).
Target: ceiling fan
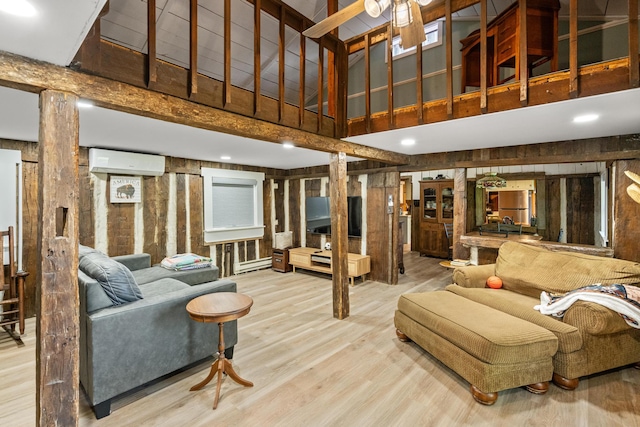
(406, 16)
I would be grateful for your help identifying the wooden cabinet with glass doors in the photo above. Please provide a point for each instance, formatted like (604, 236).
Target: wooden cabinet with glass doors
(436, 209)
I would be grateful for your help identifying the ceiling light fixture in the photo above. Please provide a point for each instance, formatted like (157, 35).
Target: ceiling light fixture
(375, 7)
(83, 104)
(287, 144)
(408, 141)
(402, 13)
(585, 118)
(225, 157)
(17, 7)
(491, 180)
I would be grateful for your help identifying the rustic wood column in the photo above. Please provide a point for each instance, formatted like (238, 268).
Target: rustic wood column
(57, 329)
(459, 210)
(339, 231)
(523, 55)
(573, 50)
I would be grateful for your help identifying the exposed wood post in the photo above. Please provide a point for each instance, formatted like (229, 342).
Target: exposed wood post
(419, 72)
(342, 60)
(332, 7)
(281, 53)
(573, 49)
(449, 47)
(367, 82)
(483, 56)
(523, 63)
(390, 76)
(57, 331)
(193, 47)
(151, 43)
(320, 85)
(459, 210)
(257, 62)
(634, 67)
(339, 231)
(226, 85)
(303, 60)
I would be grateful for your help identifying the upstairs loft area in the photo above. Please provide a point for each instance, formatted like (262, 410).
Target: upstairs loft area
(225, 70)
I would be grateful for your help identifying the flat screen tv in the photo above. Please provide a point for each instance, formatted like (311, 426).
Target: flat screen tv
(318, 213)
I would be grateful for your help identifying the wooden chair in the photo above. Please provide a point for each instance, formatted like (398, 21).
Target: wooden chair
(448, 230)
(12, 283)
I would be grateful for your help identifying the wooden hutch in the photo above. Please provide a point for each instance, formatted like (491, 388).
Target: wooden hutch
(436, 209)
(503, 41)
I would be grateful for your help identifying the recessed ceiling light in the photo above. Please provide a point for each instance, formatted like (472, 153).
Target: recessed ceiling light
(17, 7)
(225, 157)
(408, 142)
(585, 118)
(287, 144)
(82, 104)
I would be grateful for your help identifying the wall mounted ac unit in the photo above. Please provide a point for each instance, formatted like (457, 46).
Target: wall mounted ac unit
(120, 162)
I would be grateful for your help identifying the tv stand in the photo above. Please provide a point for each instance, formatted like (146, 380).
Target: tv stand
(318, 260)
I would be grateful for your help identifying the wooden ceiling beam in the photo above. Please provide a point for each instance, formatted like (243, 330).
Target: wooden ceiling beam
(20, 72)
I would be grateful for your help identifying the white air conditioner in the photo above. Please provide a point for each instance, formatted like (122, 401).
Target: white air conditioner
(109, 161)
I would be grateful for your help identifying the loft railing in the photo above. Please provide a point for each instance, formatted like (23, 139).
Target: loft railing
(145, 68)
(574, 80)
(329, 96)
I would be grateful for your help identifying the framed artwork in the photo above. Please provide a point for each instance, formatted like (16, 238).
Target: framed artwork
(125, 189)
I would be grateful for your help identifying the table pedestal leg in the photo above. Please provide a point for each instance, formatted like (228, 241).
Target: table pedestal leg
(221, 366)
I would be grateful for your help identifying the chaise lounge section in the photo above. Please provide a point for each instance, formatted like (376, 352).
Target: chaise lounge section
(126, 344)
(590, 337)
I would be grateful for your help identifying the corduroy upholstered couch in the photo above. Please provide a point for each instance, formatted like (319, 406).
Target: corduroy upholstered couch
(590, 337)
(131, 343)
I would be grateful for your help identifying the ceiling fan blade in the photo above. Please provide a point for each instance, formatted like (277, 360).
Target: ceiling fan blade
(335, 20)
(413, 34)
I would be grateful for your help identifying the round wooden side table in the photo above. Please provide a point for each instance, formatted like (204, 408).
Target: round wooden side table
(220, 307)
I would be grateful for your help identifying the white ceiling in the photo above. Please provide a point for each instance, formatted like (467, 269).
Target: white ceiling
(61, 26)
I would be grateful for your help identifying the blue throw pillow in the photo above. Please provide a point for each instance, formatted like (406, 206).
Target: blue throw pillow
(116, 279)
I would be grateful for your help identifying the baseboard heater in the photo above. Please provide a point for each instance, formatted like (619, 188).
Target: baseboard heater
(256, 264)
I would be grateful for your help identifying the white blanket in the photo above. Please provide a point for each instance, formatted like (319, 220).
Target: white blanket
(623, 299)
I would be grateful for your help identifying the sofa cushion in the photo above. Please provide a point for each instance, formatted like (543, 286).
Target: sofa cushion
(530, 270)
(190, 277)
(487, 334)
(116, 279)
(521, 306)
(162, 286)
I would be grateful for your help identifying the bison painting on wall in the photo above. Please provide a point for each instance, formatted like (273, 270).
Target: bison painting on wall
(125, 189)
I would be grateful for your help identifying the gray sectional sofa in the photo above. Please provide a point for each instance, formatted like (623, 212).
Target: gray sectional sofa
(128, 341)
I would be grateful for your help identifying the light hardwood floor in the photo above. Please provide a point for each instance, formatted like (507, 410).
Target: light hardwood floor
(310, 369)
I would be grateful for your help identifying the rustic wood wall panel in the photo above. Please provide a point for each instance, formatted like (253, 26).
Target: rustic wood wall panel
(85, 207)
(242, 251)
(121, 226)
(312, 189)
(553, 209)
(380, 226)
(30, 221)
(354, 188)
(294, 211)
(196, 219)
(181, 214)
(279, 204)
(626, 212)
(155, 195)
(580, 210)
(266, 245)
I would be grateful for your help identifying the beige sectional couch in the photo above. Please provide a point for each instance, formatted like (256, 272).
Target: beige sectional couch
(590, 338)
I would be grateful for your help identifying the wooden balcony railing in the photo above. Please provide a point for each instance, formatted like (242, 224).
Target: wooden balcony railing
(106, 59)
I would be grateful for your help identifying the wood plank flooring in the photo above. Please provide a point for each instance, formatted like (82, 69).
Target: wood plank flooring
(310, 369)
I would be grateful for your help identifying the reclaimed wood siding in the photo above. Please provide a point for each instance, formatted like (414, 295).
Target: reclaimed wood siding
(626, 213)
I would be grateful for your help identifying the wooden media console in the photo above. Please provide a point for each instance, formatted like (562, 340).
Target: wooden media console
(318, 260)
